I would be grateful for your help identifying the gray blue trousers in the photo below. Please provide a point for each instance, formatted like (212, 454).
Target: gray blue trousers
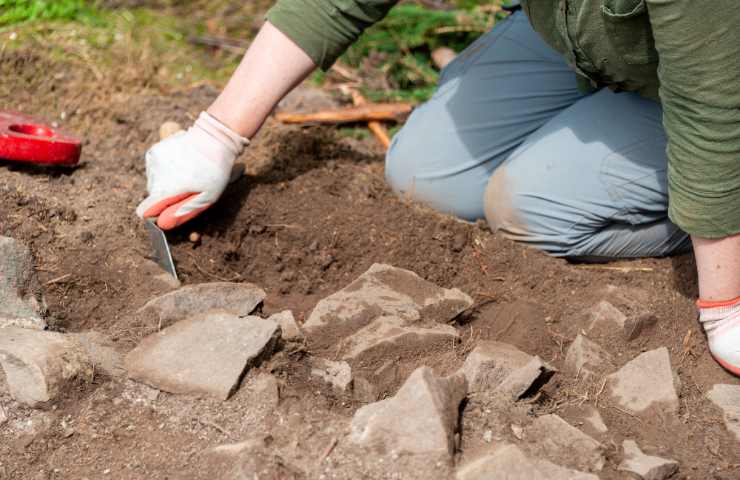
(509, 137)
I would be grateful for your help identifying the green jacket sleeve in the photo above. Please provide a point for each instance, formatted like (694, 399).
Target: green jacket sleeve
(325, 28)
(699, 69)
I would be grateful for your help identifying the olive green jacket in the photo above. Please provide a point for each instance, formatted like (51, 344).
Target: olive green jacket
(684, 53)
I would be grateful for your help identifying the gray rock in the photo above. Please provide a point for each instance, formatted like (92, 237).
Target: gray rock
(337, 374)
(606, 318)
(392, 331)
(21, 302)
(420, 419)
(644, 466)
(644, 382)
(593, 419)
(239, 299)
(727, 398)
(551, 437)
(635, 325)
(363, 391)
(388, 291)
(101, 353)
(288, 325)
(40, 365)
(206, 354)
(509, 462)
(497, 366)
(586, 358)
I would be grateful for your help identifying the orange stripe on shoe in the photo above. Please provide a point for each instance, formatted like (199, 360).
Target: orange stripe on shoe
(161, 205)
(728, 367)
(716, 303)
(167, 220)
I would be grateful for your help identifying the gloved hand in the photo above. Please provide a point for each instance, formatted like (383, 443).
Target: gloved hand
(721, 321)
(188, 171)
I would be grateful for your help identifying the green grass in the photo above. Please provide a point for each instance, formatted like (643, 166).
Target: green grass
(19, 11)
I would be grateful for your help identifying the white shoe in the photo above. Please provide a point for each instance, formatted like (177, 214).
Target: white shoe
(721, 322)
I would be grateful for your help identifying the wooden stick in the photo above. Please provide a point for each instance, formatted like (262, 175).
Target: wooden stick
(364, 113)
(375, 126)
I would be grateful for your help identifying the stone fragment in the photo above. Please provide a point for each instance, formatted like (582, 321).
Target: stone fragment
(727, 398)
(586, 358)
(363, 391)
(288, 325)
(593, 418)
(606, 318)
(205, 354)
(21, 302)
(635, 325)
(420, 419)
(236, 298)
(509, 462)
(504, 368)
(645, 381)
(337, 374)
(391, 331)
(644, 466)
(101, 353)
(388, 291)
(40, 365)
(551, 437)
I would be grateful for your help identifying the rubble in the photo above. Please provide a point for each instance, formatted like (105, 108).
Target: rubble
(504, 368)
(551, 437)
(586, 358)
(40, 365)
(420, 419)
(205, 354)
(101, 353)
(510, 462)
(337, 374)
(21, 303)
(646, 381)
(290, 330)
(606, 318)
(727, 398)
(644, 466)
(239, 299)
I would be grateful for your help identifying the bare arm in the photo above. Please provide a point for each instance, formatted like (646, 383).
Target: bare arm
(272, 67)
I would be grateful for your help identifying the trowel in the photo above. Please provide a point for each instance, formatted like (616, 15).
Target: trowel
(161, 248)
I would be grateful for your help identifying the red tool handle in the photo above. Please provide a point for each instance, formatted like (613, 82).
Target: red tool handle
(24, 139)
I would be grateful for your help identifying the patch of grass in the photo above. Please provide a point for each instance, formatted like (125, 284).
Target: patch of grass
(19, 11)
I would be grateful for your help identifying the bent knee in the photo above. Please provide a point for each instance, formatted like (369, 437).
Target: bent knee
(500, 206)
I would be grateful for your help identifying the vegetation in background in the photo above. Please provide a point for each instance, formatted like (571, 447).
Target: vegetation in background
(18, 11)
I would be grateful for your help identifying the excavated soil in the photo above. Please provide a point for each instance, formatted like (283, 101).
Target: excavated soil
(312, 213)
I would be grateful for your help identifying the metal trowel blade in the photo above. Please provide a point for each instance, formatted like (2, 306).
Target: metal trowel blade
(162, 253)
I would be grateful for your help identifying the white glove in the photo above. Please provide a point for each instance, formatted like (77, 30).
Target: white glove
(188, 171)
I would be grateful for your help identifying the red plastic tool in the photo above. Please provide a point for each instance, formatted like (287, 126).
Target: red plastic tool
(24, 139)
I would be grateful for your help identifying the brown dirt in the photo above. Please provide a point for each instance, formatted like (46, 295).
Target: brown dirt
(312, 214)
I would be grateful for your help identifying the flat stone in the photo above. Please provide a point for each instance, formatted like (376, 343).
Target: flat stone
(39, 366)
(239, 299)
(21, 302)
(290, 330)
(551, 437)
(586, 358)
(605, 317)
(635, 325)
(101, 352)
(388, 291)
(337, 374)
(593, 419)
(420, 419)
(727, 398)
(205, 354)
(644, 466)
(644, 382)
(509, 462)
(389, 332)
(503, 367)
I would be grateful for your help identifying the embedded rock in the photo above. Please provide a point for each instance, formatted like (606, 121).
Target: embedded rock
(21, 302)
(727, 398)
(586, 358)
(290, 330)
(101, 353)
(504, 368)
(644, 466)
(606, 318)
(337, 374)
(509, 462)
(40, 365)
(389, 331)
(551, 437)
(388, 291)
(420, 419)
(239, 299)
(644, 382)
(635, 325)
(206, 354)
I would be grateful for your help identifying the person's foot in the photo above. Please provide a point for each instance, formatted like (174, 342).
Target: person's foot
(721, 321)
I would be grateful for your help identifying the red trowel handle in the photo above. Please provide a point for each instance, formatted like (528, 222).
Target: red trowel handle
(24, 139)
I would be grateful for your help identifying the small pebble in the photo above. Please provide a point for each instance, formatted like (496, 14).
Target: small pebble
(194, 237)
